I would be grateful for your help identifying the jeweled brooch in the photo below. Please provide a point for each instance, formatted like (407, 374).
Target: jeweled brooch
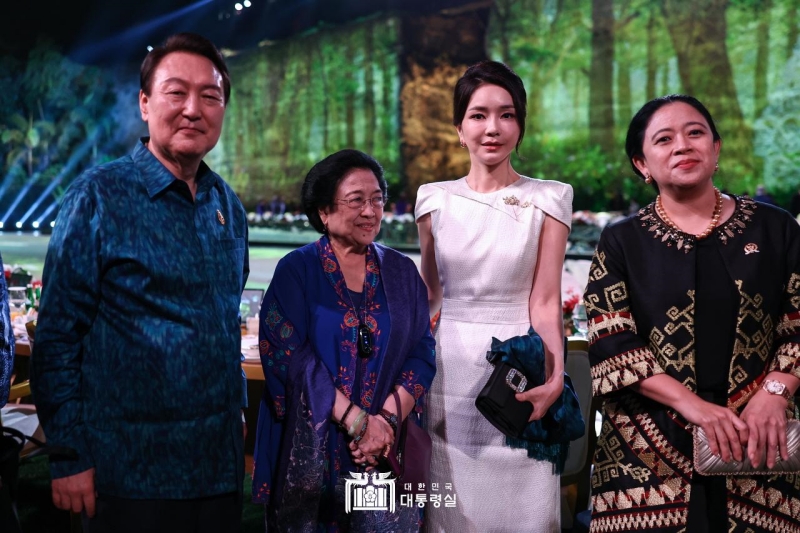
(513, 200)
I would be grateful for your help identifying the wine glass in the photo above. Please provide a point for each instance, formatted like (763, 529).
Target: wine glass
(16, 302)
(580, 320)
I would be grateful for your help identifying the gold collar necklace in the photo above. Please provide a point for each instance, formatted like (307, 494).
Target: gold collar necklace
(714, 216)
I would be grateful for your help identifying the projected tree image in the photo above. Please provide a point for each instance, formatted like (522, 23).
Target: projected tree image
(383, 84)
(56, 117)
(294, 103)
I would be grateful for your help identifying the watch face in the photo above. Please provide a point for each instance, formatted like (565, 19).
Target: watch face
(774, 387)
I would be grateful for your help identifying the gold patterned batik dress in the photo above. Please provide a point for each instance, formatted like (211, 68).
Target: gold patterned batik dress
(641, 303)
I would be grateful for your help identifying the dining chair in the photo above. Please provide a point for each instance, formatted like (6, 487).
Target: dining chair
(578, 467)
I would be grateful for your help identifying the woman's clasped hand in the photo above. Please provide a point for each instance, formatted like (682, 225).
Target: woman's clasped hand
(726, 432)
(378, 438)
(760, 432)
(765, 438)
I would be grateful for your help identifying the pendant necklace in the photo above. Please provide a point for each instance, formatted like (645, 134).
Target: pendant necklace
(363, 334)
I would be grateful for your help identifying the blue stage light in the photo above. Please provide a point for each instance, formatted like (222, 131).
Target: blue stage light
(72, 162)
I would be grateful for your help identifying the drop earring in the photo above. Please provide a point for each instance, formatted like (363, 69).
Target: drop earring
(648, 179)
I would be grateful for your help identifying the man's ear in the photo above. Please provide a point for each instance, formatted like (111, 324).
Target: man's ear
(143, 101)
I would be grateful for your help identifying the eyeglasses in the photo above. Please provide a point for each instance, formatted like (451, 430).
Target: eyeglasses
(364, 341)
(377, 202)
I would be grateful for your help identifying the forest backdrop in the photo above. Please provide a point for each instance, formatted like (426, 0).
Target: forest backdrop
(384, 83)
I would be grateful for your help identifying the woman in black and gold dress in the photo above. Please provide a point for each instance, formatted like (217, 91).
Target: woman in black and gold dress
(694, 306)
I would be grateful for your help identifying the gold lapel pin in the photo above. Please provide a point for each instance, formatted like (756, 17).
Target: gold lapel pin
(750, 248)
(220, 217)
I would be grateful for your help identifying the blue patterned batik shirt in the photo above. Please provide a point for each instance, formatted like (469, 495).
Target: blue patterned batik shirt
(6, 341)
(137, 358)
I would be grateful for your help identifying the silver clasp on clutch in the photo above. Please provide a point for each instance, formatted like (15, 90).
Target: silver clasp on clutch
(516, 380)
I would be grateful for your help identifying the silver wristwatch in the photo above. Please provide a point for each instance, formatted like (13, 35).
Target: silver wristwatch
(776, 387)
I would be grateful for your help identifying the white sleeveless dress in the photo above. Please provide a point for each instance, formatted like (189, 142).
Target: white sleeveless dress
(486, 248)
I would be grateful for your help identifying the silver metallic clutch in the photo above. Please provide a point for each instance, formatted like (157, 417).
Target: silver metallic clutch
(709, 464)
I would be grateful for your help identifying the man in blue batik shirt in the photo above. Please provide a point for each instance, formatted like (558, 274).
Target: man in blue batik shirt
(137, 359)
(8, 517)
(6, 341)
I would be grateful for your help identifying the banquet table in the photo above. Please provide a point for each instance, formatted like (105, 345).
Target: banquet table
(22, 353)
(23, 347)
(252, 361)
(255, 388)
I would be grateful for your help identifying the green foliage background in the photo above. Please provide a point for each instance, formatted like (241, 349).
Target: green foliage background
(56, 118)
(588, 65)
(658, 48)
(296, 102)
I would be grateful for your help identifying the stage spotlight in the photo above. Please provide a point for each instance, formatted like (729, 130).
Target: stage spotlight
(18, 225)
(247, 3)
(73, 160)
(35, 224)
(237, 6)
(52, 223)
(1, 225)
(149, 48)
(46, 213)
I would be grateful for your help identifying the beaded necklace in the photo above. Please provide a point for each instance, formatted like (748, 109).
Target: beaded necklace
(714, 216)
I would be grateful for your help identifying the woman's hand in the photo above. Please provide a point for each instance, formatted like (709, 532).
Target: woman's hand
(723, 428)
(765, 416)
(377, 439)
(359, 457)
(542, 397)
(725, 431)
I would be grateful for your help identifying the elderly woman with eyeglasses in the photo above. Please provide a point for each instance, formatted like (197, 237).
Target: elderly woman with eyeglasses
(343, 324)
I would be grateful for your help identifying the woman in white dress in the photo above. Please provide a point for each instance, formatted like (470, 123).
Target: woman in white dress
(493, 245)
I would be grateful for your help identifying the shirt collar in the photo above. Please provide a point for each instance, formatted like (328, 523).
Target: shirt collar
(156, 176)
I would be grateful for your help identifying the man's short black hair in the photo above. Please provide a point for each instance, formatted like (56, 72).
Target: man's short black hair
(184, 42)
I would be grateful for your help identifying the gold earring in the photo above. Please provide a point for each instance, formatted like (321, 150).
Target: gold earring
(716, 167)
(648, 179)
(463, 144)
